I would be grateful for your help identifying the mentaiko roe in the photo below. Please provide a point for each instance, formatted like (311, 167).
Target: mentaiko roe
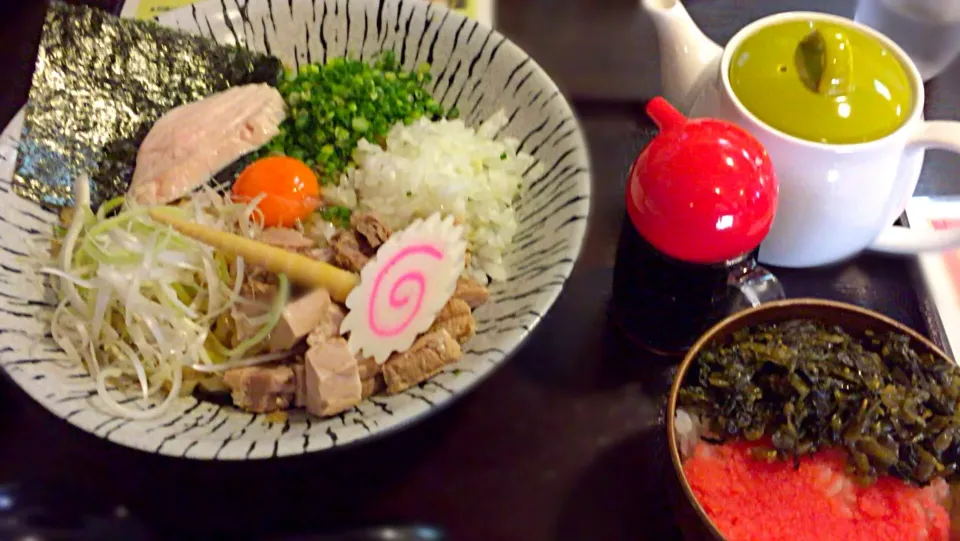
(756, 500)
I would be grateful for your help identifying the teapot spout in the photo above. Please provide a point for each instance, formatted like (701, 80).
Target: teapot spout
(686, 54)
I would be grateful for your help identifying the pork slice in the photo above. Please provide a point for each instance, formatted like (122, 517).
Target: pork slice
(455, 317)
(324, 254)
(332, 378)
(300, 379)
(329, 326)
(368, 367)
(262, 389)
(242, 313)
(299, 317)
(427, 357)
(368, 225)
(283, 237)
(259, 284)
(471, 291)
(373, 385)
(347, 252)
(453, 309)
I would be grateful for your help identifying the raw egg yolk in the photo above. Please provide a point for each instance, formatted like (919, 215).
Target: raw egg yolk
(291, 189)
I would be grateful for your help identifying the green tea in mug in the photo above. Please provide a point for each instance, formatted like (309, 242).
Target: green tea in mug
(822, 82)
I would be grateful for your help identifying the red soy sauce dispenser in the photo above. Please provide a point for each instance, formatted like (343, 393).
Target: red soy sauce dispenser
(700, 199)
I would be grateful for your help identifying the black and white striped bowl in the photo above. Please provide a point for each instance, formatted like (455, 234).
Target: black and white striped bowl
(476, 69)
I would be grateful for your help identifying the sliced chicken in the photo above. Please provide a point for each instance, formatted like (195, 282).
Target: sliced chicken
(262, 389)
(190, 144)
(299, 318)
(427, 357)
(471, 291)
(332, 378)
(455, 318)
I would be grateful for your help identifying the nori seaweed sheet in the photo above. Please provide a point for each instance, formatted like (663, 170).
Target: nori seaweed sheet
(100, 84)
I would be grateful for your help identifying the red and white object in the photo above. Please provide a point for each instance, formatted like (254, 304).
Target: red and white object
(940, 271)
(703, 190)
(403, 288)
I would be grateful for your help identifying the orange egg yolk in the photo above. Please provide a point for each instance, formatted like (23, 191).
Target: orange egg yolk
(291, 191)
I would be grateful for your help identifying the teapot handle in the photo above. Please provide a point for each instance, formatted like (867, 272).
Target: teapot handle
(937, 134)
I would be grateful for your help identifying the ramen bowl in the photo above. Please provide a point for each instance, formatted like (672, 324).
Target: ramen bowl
(475, 69)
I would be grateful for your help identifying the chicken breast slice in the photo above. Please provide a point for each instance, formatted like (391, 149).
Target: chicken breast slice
(192, 143)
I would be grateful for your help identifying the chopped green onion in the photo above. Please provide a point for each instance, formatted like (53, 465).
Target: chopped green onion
(338, 216)
(333, 106)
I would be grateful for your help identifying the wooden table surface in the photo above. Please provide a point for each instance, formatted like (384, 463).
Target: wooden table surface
(563, 443)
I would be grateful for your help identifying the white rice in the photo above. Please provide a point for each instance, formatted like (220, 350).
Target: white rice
(448, 167)
(688, 429)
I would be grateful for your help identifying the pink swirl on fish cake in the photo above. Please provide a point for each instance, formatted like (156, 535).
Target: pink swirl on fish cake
(396, 300)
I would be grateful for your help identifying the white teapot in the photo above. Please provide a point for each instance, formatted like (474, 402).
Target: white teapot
(839, 108)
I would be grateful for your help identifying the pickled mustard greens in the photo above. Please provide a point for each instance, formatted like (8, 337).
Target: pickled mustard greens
(806, 387)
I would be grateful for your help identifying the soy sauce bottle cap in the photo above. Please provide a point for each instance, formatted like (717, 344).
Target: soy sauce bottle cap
(703, 190)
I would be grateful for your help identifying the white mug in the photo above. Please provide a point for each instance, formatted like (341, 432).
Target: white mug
(837, 200)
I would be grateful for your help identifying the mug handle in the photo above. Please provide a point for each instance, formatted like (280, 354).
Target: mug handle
(756, 285)
(936, 134)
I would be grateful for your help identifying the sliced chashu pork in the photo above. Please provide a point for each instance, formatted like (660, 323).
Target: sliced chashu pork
(371, 228)
(353, 248)
(471, 291)
(286, 238)
(347, 251)
(310, 311)
(371, 380)
(291, 239)
(332, 378)
(190, 144)
(329, 326)
(262, 389)
(426, 358)
(456, 318)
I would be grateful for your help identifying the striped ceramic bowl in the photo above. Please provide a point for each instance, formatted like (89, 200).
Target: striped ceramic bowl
(476, 69)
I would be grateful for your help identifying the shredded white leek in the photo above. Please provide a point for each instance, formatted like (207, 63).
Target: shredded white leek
(252, 361)
(138, 300)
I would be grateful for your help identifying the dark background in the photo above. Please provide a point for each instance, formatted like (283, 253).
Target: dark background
(563, 442)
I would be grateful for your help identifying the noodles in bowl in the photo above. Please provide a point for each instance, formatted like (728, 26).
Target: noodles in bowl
(240, 361)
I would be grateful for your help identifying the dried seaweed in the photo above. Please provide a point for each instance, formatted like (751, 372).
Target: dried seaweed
(807, 387)
(100, 83)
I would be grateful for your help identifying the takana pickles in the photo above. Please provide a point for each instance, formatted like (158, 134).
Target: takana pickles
(805, 386)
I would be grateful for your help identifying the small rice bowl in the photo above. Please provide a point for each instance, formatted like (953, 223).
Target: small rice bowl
(445, 165)
(745, 497)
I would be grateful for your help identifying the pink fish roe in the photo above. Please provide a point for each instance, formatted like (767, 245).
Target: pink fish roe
(753, 500)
